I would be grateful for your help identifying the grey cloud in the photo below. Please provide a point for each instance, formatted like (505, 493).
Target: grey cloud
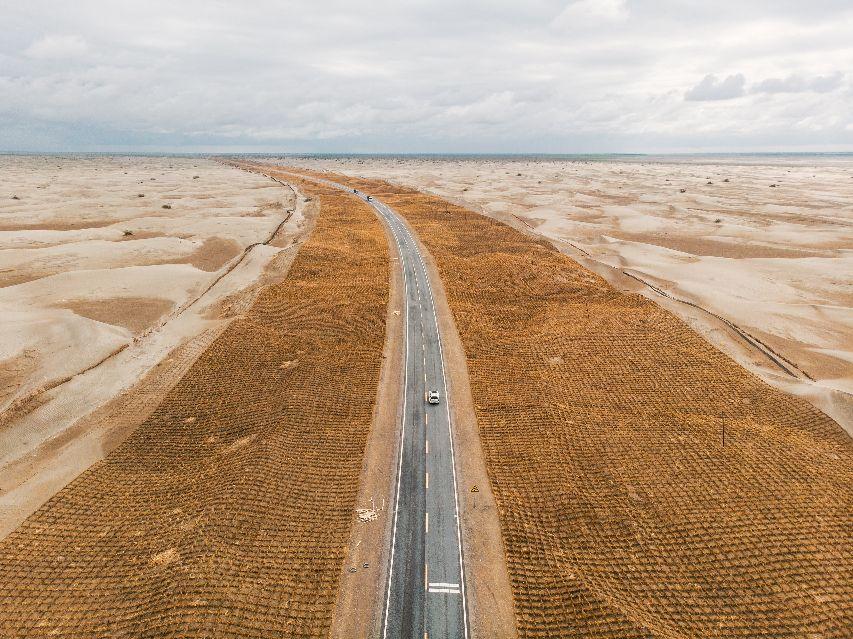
(710, 88)
(385, 75)
(799, 84)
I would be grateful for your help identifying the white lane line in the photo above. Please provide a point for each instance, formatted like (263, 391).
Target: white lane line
(426, 522)
(442, 584)
(427, 447)
(427, 481)
(449, 591)
(404, 266)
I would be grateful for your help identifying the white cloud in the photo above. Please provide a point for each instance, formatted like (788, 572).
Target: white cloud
(57, 47)
(710, 88)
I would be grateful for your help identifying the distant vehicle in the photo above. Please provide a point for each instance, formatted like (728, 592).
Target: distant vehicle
(432, 397)
(355, 190)
(368, 198)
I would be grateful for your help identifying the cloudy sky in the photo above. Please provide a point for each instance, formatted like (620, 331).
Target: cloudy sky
(427, 76)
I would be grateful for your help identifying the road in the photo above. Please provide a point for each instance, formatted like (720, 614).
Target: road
(426, 584)
(425, 592)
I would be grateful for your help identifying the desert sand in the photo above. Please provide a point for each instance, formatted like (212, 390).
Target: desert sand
(109, 266)
(764, 243)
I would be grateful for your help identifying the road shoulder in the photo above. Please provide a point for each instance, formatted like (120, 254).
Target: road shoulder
(358, 611)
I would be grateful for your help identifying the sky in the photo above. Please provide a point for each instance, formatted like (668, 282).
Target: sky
(440, 76)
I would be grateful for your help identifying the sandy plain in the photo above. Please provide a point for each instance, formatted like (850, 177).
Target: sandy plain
(109, 266)
(760, 249)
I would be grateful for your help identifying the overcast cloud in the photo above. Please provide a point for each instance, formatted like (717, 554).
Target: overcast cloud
(427, 76)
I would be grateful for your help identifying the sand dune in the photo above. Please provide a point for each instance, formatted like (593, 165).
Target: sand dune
(94, 251)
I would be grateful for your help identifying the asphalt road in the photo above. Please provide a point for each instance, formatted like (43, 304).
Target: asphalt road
(425, 596)
(426, 583)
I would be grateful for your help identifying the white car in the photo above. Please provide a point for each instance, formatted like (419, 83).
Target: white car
(432, 397)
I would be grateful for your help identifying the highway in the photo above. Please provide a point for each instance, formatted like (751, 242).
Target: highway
(425, 586)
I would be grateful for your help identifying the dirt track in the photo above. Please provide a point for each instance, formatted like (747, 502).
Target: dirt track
(601, 417)
(227, 512)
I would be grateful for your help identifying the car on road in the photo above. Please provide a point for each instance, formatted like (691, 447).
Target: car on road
(432, 397)
(368, 198)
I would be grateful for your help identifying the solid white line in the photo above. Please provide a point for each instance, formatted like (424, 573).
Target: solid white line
(450, 591)
(402, 434)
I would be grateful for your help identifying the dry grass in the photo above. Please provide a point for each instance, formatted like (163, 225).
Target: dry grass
(601, 415)
(226, 513)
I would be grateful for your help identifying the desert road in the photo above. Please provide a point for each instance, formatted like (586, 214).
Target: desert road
(426, 586)
(425, 596)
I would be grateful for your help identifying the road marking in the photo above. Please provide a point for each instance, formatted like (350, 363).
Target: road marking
(404, 264)
(426, 522)
(442, 584)
(448, 591)
(426, 576)
(427, 447)
(427, 481)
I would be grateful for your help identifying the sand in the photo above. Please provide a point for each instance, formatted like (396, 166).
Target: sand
(87, 265)
(775, 261)
(95, 310)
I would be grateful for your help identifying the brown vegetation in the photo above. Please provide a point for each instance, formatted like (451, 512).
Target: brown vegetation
(133, 313)
(601, 418)
(227, 511)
